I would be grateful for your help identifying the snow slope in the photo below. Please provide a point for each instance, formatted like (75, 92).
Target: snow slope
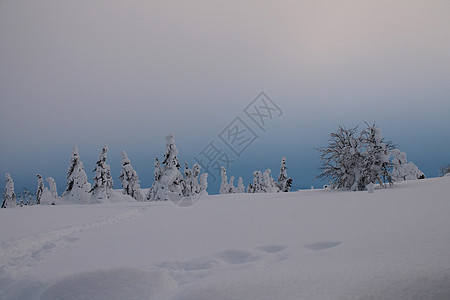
(313, 244)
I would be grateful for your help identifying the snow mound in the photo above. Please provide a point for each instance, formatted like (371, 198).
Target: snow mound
(111, 284)
(116, 196)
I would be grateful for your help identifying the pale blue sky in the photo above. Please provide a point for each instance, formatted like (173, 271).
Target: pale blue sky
(126, 73)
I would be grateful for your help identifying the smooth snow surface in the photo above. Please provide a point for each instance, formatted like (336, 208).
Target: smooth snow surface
(313, 244)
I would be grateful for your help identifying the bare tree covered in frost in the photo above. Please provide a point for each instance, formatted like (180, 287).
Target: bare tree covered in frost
(340, 158)
(9, 197)
(352, 161)
(40, 189)
(376, 163)
(102, 180)
(129, 179)
(284, 182)
(169, 180)
(402, 169)
(241, 187)
(444, 170)
(77, 188)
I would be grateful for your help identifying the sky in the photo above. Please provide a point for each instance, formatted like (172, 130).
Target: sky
(127, 73)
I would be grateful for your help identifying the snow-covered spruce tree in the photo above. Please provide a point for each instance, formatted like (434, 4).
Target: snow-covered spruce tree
(51, 200)
(402, 169)
(269, 184)
(9, 197)
(168, 178)
(53, 189)
(40, 189)
(224, 187)
(284, 182)
(77, 189)
(231, 187)
(186, 185)
(129, 178)
(190, 184)
(151, 195)
(102, 180)
(258, 184)
(203, 184)
(195, 180)
(27, 196)
(241, 187)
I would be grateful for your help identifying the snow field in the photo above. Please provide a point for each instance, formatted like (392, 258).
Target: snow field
(312, 244)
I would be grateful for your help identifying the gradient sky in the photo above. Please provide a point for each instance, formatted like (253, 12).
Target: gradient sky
(126, 73)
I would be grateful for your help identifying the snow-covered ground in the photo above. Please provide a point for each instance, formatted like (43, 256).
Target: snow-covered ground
(313, 244)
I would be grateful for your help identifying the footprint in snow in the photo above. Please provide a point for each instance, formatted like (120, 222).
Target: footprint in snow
(272, 249)
(323, 245)
(236, 257)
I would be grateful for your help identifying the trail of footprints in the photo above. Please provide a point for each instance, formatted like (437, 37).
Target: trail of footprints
(17, 256)
(189, 271)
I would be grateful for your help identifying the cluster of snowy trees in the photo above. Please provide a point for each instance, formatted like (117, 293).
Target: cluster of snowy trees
(170, 182)
(262, 182)
(353, 161)
(43, 194)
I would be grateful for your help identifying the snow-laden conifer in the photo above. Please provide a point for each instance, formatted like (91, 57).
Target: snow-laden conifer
(52, 185)
(258, 183)
(203, 182)
(50, 195)
(77, 189)
(9, 197)
(224, 187)
(191, 184)
(269, 184)
(284, 182)
(40, 189)
(231, 187)
(241, 187)
(402, 169)
(129, 178)
(102, 180)
(170, 182)
(168, 178)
